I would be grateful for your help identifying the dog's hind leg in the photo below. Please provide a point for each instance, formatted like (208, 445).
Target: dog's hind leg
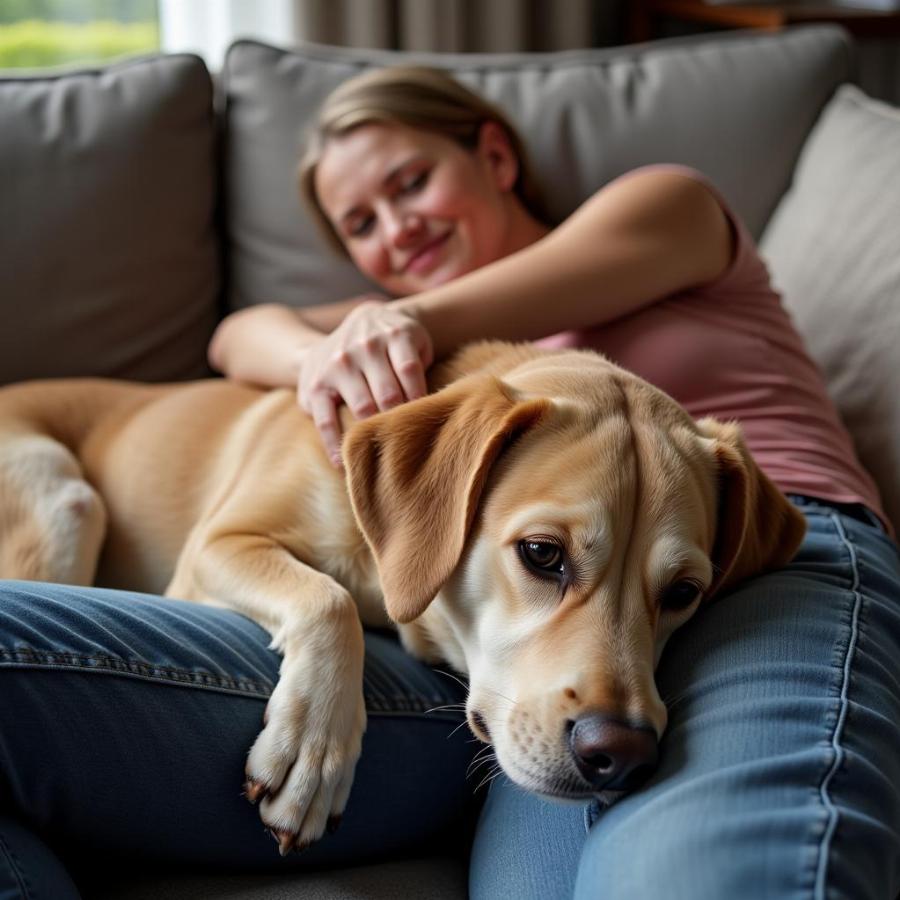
(52, 522)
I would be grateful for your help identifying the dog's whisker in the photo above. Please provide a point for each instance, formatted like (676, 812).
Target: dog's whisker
(465, 684)
(459, 707)
(483, 753)
(476, 764)
(488, 758)
(454, 677)
(472, 775)
(461, 724)
(490, 777)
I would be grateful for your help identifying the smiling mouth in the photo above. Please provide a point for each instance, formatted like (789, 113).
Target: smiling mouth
(423, 259)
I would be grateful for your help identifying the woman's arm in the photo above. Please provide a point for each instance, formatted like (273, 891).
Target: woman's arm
(263, 344)
(642, 238)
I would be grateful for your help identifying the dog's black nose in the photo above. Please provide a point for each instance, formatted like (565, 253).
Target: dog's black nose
(610, 754)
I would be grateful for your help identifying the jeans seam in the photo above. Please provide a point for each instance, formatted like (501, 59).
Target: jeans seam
(100, 663)
(167, 675)
(18, 874)
(831, 809)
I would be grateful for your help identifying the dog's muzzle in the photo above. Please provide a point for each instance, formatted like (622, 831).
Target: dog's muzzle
(610, 754)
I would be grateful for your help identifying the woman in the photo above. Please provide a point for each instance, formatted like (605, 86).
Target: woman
(779, 773)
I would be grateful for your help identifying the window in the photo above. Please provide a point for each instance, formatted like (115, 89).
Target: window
(37, 33)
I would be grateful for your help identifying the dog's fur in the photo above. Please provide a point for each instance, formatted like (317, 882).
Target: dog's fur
(222, 494)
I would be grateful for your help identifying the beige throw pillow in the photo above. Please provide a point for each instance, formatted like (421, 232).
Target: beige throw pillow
(833, 245)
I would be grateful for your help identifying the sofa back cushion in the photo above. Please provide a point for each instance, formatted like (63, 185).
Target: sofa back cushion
(834, 252)
(737, 107)
(108, 250)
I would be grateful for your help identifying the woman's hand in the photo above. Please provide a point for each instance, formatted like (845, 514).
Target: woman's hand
(374, 360)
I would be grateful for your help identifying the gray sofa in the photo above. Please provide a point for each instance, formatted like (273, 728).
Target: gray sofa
(138, 204)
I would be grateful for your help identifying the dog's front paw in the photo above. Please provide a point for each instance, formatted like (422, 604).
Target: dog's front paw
(302, 763)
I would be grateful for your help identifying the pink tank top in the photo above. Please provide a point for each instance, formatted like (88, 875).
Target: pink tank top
(729, 349)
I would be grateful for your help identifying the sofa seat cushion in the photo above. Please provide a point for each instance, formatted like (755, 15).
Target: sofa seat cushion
(737, 108)
(108, 251)
(438, 878)
(833, 249)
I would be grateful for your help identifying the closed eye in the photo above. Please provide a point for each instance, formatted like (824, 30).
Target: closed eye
(359, 226)
(414, 183)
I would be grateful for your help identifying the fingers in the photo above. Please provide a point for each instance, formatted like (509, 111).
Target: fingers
(408, 365)
(375, 360)
(382, 386)
(323, 407)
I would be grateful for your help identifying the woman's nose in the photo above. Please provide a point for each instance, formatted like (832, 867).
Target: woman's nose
(403, 227)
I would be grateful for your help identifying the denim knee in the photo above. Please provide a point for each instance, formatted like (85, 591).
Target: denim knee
(779, 773)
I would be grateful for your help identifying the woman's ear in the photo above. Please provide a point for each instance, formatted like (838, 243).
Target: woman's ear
(495, 148)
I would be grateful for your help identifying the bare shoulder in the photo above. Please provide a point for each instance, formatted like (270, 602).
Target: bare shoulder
(668, 209)
(659, 191)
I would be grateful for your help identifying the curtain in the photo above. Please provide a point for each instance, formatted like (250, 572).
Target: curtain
(459, 26)
(207, 27)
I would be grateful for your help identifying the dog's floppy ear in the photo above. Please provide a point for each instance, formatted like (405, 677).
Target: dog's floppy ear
(757, 529)
(415, 475)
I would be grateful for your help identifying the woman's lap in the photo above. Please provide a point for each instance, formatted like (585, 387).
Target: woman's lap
(125, 726)
(125, 721)
(779, 773)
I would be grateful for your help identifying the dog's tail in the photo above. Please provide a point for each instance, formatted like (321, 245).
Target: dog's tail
(67, 410)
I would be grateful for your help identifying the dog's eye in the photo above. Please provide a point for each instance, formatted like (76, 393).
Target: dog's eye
(542, 557)
(680, 595)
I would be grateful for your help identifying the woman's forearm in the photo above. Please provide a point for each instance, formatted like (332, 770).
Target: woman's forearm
(263, 344)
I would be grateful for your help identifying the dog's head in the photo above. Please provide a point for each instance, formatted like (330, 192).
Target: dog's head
(569, 517)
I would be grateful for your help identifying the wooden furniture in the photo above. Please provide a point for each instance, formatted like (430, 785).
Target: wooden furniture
(861, 20)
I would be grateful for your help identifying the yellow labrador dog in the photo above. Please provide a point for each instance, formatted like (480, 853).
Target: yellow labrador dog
(543, 523)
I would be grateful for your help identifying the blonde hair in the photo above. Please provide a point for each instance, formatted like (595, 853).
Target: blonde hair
(417, 97)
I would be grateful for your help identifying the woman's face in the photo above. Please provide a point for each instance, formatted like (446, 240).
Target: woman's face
(415, 209)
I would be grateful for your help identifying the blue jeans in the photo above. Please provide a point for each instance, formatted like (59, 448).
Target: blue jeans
(779, 771)
(125, 720)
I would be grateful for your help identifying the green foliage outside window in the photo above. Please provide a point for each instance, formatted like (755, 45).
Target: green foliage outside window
(78, 10)
(36, 33)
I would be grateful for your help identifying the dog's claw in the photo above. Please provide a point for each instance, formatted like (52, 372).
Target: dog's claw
(332, 825)
(285, 841)
(253, 790)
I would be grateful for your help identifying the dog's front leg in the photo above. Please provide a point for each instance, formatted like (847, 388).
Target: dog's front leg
(302, 763)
